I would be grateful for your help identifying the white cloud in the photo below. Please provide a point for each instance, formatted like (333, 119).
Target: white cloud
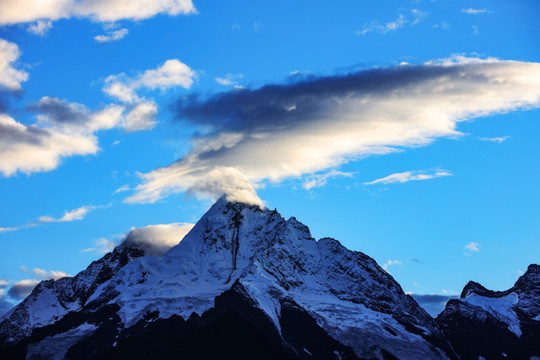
(171, 74)
(9, 229)
(101, 246)
(406, 176)
(318, 180)
(415, 16)
(40, 27)
(229, 79)
(472, 246)
(71, 215)
(476, 11)
(3, 283)
(141, 117)
(64, 129)
(152, 239)
(390, 263)
(111, 36)
(157, 239)
(443, 25)
(23, 11)
(334, 120)
(122, 189)
(10, 78)
(44, 274)
(499, 139)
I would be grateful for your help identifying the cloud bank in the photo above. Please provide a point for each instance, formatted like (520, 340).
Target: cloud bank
(24, 11)
(433, 304)
(288, 130)
(155, 240)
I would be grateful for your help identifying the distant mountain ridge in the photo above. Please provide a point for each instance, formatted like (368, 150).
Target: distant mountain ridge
(244, 283)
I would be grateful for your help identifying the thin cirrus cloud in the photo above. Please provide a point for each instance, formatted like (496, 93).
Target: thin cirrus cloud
(318, 180)
(473, 246)
(406, 176)
(279, 131)
(413, 17)
(71, 215)
(230, 80)
(68, 216)
(111, 36)
(472, 11)
(26, 11)
(10, 77)
(40, 27)
(497, 139)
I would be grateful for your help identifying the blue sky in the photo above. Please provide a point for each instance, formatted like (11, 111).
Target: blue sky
(406, 130)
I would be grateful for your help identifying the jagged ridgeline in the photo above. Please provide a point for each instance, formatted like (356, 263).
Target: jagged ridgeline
(247, 284)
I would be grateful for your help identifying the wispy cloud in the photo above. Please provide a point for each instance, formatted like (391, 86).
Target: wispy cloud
(412, 17)
(72, 215)
(476, 11)
(111, 36)
(68, 216)
(390, 263)
(230, 80)
(473, 247)
(407, 176)
(318, 180)
(499, 139)
(122, 189)
(101, 246)
(290, 130)
(9, 229)
(40, 27)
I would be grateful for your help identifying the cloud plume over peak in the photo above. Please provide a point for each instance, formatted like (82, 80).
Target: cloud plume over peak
(288, 130)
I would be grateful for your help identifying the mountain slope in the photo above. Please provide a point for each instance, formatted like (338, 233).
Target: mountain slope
(496, 324)
(250, 267)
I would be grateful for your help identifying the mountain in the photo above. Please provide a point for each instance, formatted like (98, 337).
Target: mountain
(245, 280)
(244, 283)
(496, 324)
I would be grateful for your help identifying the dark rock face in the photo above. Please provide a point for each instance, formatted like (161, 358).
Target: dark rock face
(496, 324)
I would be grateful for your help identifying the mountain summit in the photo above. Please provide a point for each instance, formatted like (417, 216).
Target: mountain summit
(244, 283)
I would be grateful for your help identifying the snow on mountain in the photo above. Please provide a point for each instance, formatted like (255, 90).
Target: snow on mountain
(267, 267)
(52, 299)
(496, 321)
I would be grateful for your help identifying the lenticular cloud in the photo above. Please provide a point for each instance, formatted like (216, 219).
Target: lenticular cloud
(288, 130)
